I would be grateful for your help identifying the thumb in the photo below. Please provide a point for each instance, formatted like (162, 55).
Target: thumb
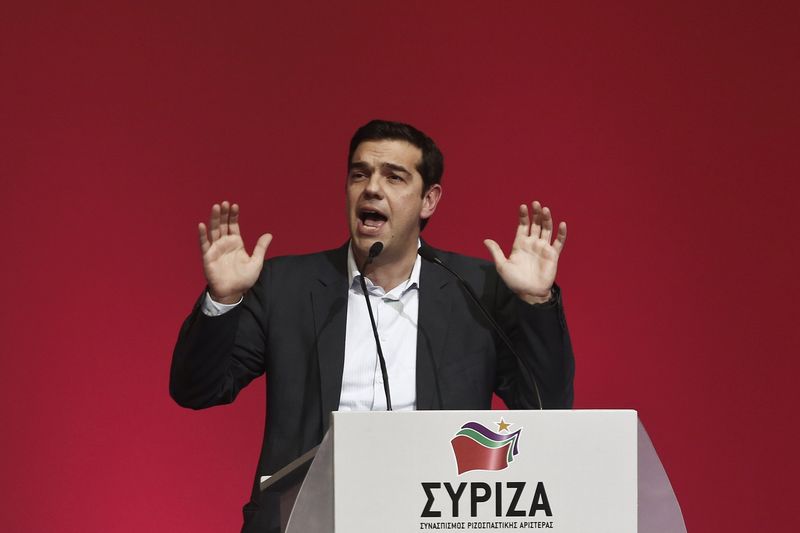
(497, 254)
(261, 247)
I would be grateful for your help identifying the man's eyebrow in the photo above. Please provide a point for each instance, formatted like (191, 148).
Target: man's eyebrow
(359, 165)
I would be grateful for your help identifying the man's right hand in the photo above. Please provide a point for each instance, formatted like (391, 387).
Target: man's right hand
(230, 272)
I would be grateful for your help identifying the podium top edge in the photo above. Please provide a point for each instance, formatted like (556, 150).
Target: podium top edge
(487, 411)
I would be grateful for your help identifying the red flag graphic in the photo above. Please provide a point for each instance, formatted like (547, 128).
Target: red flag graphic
(470, 455)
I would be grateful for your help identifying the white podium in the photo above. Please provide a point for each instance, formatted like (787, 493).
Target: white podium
(489, 471)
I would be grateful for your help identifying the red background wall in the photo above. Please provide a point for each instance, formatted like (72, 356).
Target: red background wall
(666, 135)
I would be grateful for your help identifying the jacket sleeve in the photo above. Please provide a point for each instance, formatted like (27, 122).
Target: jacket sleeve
(540, 337)
(216, 357)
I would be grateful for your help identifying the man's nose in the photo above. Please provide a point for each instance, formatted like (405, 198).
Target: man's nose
(374, 187)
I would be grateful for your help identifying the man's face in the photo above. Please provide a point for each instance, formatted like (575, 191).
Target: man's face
(384, 198)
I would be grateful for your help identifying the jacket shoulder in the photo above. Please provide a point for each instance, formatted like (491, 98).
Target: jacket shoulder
(456, 260)
(324, 264)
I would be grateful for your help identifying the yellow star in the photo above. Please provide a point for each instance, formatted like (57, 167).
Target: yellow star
(503, 425)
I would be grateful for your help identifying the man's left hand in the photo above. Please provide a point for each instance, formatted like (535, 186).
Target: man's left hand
(530, 270)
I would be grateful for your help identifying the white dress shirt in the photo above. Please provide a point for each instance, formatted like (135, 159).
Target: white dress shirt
(396, 317)
(396, 314)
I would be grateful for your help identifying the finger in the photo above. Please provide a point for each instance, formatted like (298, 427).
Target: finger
(536, 225)
(497, 253)
(224, 218)
(204, 244)
(524, 227)
(214, 222)
(547, 224)
(261, 247)
(233, 223)
(561, 237)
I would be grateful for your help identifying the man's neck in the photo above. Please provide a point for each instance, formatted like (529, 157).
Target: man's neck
(389, 272)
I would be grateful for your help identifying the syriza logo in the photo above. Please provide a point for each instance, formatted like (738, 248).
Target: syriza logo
(485, 501)
(477, 447)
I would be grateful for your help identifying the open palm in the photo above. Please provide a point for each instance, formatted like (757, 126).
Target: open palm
(530, 269)
(229, 269)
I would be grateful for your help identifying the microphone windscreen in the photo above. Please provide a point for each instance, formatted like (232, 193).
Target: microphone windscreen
(426, 252)
(375, 249)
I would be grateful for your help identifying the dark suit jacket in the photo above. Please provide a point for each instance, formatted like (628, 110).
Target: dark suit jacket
(291, 326)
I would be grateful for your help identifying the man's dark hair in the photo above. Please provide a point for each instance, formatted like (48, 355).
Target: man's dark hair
(431, 164)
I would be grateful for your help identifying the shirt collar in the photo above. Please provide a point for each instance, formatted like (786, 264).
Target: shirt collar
(353, 272)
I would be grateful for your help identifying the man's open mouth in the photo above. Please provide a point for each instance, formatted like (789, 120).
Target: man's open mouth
(371, 219)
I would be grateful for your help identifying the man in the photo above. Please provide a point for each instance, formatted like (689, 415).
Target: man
(302, 320)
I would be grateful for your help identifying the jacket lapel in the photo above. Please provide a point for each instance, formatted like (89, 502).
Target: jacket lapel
(434, 308)
(329, 301)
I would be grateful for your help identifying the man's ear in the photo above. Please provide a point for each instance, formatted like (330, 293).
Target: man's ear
(430, 200)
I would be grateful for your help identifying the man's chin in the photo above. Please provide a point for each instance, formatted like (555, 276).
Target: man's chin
(362, 243)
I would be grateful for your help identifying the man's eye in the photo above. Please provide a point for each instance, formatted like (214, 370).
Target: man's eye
(357, 175)
(394, 177)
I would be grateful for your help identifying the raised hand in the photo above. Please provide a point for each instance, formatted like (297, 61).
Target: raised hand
(530, 270)
(229, 270)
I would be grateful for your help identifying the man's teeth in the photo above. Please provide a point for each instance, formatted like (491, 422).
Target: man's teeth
(372, 219)
(372, 222)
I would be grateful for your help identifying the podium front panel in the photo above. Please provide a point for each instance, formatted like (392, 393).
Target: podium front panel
(488, 471)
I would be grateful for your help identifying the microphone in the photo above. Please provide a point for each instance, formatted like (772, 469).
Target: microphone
(374, 250)
(427, 253)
